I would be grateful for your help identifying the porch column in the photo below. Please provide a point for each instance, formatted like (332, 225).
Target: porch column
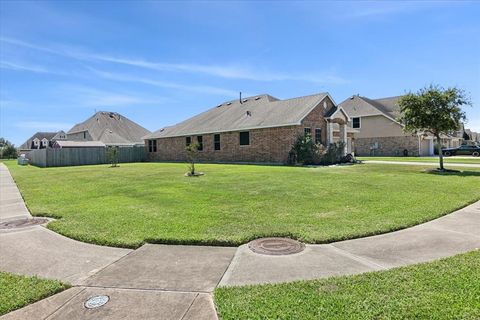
(343, 136)
(329, 133)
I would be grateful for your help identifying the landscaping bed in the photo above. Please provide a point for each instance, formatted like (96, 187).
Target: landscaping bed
(233, 204)
(445, 289)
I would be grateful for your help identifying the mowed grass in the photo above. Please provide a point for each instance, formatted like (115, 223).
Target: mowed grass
(447, 160)
(17, 291)
(232, 204)
(445, 289)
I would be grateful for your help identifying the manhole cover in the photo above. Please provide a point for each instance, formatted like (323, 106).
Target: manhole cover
(22, 223)
(276, 246)
(96, 302)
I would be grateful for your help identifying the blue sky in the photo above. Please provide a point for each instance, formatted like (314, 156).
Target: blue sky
(159, 63)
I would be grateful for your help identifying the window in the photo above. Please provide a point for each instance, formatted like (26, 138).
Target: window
(200, 143)
(356, 123)
(318, 135)
(188, 141)
(308, 131)
(216, 141)
(84, 135)
(245, 138)
(152, 145)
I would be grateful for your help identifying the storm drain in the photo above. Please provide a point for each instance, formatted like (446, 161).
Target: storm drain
(276, 246)
(22, 223)
(96, 302)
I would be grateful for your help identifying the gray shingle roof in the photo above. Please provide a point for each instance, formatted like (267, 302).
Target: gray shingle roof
(262, 111)
(79, 144)
(39, 135)
(357, 106)
(111, 128)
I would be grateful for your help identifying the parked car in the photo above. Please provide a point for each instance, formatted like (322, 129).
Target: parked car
(473, 150)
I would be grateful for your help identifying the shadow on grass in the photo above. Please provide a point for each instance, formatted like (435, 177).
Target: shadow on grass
(455, 173)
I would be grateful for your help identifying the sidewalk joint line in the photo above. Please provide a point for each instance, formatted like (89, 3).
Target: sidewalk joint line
(362, 260)
(144, 289)
(188, 309)
(63, 304)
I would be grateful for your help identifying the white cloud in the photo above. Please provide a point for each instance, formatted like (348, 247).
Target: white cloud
(89, 97)
(4, 64)
(164, 84)
(222, 71)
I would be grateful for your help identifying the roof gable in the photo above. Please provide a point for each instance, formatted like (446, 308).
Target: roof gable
(40, 136)
(358, 106)
(262, 111)
(111, 127)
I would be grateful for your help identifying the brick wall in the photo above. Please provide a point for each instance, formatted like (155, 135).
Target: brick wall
(270, 145)
(387, 146)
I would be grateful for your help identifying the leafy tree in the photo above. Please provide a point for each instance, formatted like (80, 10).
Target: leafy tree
(434, 110)
(7, 149)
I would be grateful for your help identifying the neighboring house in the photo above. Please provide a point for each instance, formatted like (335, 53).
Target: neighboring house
(472, 135)
(42, 140)
(255, 129)
(111, 128)
(379, 132)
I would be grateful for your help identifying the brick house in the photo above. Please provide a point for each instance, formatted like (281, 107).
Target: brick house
(380, 134)
(257, 129)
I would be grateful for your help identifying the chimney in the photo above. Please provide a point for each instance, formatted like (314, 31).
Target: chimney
(240, 97)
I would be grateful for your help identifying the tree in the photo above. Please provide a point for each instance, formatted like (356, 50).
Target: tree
(112, 155)
(191, 150)
(7, 149)
(434, 110)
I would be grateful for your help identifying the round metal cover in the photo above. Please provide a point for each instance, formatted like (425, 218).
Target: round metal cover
(276, 246)
(96, 302)
(22, 223)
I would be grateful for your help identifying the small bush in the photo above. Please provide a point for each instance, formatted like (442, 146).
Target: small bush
(112, 156)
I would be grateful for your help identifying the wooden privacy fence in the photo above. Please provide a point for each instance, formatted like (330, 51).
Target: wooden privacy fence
(53, 157)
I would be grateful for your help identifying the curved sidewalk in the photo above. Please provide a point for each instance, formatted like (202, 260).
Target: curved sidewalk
(176, 282)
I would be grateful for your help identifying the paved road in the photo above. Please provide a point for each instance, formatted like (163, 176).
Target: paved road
(176, 282)
(419, 163)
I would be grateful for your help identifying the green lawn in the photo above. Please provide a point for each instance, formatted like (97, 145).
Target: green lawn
(232, 204)
(17, 291)
(445, 289)
(470, 160)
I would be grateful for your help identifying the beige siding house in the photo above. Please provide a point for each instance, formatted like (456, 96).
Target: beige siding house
(380, 134)
(255, 129)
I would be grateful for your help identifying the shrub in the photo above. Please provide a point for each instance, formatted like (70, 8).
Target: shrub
(112, 155)
(306, 152)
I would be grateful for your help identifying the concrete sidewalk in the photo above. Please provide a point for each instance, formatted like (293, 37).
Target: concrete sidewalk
(449, 235)
(176, 282)
(419, 163)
